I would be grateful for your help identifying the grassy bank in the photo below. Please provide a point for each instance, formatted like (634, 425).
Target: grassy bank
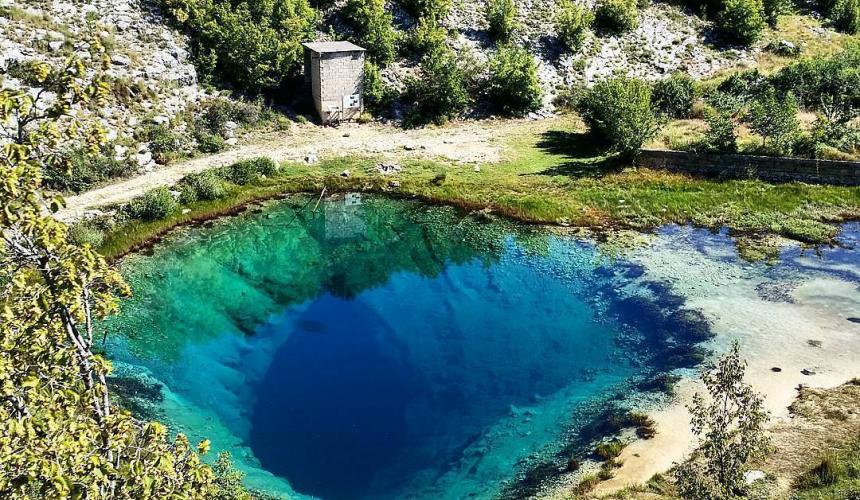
(551, 176)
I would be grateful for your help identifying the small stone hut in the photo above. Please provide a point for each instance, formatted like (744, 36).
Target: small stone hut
(334, 72)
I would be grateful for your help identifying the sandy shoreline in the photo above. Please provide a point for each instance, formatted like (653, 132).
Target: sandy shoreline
(804, 332)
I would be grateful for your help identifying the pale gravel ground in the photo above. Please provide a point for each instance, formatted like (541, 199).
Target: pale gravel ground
(468, 142)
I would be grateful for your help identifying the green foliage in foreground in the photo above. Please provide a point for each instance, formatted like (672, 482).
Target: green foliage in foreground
(254, 45)
(61, 435)
(619, 110)
(730, 423)
(513, 83)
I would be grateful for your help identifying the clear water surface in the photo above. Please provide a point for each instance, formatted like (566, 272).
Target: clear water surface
(374, 348)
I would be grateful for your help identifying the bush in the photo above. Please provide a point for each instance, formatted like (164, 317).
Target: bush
(84, 170)
(776, 121)
(440, 92)
(572, 23)
(674, 96)
(426, 37)
(372, 28)
(619, 110)
(609, 450)
(720, 136)
(208, 142)
(502, 18)
(246, 171)
(436, 9)
(514, 86)
(155, 204)
(85, 233)
(203, 186)
(616, 15)
(741, 21)
(846, 15)
(164, 143)
(255, 45)
(378, 96)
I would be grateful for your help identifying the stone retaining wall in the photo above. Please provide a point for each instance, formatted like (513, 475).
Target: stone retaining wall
(762, 167)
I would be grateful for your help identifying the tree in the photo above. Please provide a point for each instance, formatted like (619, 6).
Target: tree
(254, 45)
(720, 136)
(378, 95)
(372, 28)
(572, 23)
(742, 21)
(61, 436)
(619, 110)
(730, 425)
(501, 18)
(513, 85)
(440, 92)
(775, 120)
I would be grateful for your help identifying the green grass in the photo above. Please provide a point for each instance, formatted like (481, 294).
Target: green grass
(836, 477)
(551, 175)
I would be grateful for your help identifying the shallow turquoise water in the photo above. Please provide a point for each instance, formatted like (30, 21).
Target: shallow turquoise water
(386, 349)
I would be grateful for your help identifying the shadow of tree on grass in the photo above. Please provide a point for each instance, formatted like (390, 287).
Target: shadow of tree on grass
(581, 154)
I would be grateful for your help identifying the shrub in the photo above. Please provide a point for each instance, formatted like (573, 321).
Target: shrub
(426, 37)
(674, 96)
(513, 83)
(776, 121)
(202, 186)
(609, 450)
(372, 28)
(619, 110)
(208, 142)
(246, 171)
(164, 143)
(501, 18)
(83, 170)
(255, 45)
(616, 15)
(85, 233)
(846, 15)
(378, 96)
(720, 136)
(436, 9)
(155, 204)
(440, 92)
(572, 23)
(741, 21)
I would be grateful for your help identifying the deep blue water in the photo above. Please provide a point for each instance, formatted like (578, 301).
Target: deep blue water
(386, 349)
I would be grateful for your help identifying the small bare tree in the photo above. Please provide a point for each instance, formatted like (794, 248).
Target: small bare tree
(730, 425)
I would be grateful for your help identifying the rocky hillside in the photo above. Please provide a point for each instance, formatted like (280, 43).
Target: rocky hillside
(667, 39)
(153, 77)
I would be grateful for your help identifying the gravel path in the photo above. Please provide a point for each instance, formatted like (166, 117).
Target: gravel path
(470, 142)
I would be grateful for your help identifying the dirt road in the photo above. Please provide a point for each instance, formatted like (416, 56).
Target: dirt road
(470, 142)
